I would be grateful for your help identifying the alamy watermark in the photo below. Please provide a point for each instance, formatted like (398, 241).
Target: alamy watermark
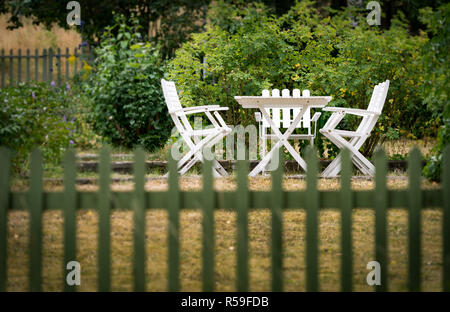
(374, 276)
(74, 16)
(374, 17)
(73, 277)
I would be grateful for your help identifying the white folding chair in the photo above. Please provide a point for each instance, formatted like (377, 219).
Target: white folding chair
(284, 117)
(196, 140)
(358, 137)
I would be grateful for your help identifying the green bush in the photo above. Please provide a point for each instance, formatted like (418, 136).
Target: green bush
(124, 90)
(436, 87)
(245, 49)
(36, 115)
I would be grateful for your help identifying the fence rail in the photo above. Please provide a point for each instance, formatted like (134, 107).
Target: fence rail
(45, 65)
(414, 199)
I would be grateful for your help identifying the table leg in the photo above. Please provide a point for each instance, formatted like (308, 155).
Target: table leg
(282, 139)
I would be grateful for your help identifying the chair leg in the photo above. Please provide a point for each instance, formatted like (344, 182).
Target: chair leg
(333, 169)
(361, 162)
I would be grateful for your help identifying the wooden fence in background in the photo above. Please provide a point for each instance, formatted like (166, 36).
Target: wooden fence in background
(413, 199)
(43, 66)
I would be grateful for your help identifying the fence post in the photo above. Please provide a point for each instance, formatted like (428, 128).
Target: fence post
(242, 205)
(5, 169)
(11, 65)
(67, 64)
(75, 64)
(312, 213)
(36, 64)
(59, 67)
(50, 64)
(346, 205)
(415, 207)
(208, 226)
(44, 65)
(104, 250)
(28, 65)
(70, 203)
(3, 68)
(139, 220)
(446, 219)
(19, 67)
(173, 202)
(35, 233)
(277, 205)
(381, 201)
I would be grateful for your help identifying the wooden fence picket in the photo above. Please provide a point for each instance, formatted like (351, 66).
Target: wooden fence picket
(70, 203)
(104, 237)
(139, 169)
(446, 219)
(346, 206)
(50, 64)
(19, 66)
(173, 202)
(208, 227)
(414, 217)
(312, 215)
(5, 168)
(381, 202)
(35, 204)
(28, 65)
(3, 68)
(242, 204)
(44, 65)
(277, 205)
(11, 65)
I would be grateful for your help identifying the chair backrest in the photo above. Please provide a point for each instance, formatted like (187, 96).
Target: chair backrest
(376, 105)
(173, 104)
(378, 97)
(283, 117)
(170, 95)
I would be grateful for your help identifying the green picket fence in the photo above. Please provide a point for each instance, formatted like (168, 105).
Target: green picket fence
(43, 66)
(414, 199)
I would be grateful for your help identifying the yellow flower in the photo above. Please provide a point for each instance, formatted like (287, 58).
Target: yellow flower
(72, 58)
(86, 66)
(391, 101)
(297, 65)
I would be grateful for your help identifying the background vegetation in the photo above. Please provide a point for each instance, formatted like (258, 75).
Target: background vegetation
(245, 49)
(234, 47)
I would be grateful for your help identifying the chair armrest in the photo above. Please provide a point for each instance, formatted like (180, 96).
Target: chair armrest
(353, 111)
(199, 109)
(316, 116)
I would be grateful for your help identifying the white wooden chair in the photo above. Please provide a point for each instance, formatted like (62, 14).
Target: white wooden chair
(284, 117)
(196, 140)
(358, 137)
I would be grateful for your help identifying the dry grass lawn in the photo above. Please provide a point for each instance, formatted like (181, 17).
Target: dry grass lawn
(225, 277)
(36, 37)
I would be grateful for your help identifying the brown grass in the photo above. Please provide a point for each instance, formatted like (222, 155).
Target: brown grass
(225, 253)
(36, 37)
(259, 227)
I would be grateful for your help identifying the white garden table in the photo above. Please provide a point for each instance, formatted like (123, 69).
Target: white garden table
(263, 103)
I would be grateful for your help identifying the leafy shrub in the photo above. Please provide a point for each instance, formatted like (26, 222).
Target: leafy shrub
(127, 107)
(436, 88)
(245, 49)
(36, 115)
